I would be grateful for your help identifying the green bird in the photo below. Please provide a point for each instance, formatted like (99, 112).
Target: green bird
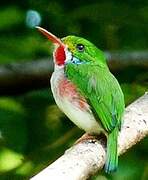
(86, 91)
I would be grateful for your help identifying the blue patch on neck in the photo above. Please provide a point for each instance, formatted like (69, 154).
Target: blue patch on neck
(77, 61)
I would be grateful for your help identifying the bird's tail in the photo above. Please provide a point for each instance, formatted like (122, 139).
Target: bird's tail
(112, 154)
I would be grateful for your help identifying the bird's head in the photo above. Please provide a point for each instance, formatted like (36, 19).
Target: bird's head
(73, 49)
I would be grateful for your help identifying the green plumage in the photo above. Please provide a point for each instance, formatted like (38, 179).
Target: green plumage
(94, 95)
(101, 90)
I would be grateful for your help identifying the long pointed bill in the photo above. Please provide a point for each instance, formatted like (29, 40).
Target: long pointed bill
(50, 36)
(59, 54)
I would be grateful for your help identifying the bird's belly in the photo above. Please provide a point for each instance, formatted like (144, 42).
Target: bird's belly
(73, 104)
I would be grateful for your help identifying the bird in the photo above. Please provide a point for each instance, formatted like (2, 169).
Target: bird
(86, 91)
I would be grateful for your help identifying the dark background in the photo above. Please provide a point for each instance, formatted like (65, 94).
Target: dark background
(33, 131)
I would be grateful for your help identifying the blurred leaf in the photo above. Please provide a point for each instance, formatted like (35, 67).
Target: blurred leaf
(25, 168)
(9, 159)
(11, 105)
(10, 16)
(145, 173)
(132, 91)
(23, 48)
(12, 124)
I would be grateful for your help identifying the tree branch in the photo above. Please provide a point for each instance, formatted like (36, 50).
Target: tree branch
(84, 159)
(21, 77)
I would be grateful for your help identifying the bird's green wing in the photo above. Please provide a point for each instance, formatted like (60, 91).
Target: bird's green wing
(102, 92)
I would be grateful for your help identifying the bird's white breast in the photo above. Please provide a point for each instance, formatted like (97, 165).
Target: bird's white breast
(71, 103)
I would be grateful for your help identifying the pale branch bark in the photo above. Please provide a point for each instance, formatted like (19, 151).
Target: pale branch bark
(21, 77)
(86, 158)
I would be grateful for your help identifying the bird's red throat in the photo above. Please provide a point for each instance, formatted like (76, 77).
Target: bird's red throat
(59, 55)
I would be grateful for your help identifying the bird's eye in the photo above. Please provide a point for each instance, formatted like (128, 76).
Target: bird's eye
(80, 47)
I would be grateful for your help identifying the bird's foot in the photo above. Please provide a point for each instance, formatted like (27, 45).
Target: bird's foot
(87, 138)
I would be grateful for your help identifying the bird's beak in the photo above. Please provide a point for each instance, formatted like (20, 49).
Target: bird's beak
(50, 36)
(59, 53)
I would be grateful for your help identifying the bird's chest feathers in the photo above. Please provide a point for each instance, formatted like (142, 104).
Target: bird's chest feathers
(65, 90)
(72, 103)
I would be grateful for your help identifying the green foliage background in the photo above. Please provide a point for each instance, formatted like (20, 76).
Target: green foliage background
(33, 131)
